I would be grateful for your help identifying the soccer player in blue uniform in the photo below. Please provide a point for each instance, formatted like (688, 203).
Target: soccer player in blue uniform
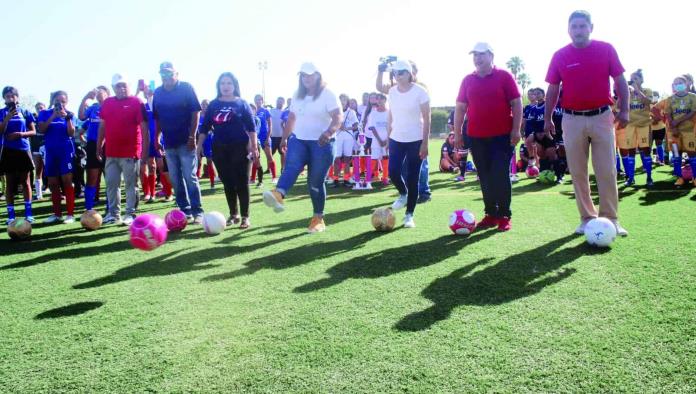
(95, 167)
(56, 123)
(264, 137)
(15, 153)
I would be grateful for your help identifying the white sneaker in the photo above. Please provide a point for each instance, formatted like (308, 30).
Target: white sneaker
(274, 181)
(69, 219)
(128, 220)
(580, 230)
(619, 230)
(400, 202)
(53, 219)
(513, 178)
(408, 221)
(368, 186)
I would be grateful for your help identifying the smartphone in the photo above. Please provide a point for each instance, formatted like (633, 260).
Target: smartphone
(58, 106)
(12, 106)
(141, 84)
(152, 85)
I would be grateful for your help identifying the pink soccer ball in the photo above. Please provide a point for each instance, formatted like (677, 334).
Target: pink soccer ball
(532, 171)
(687, 173)
(462, 222)
(148, 232)
(175, 220)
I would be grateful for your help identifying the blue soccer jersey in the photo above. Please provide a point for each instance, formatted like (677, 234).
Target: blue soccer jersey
(92, 121)
(263, 114)
(18, 124)
(534, 118)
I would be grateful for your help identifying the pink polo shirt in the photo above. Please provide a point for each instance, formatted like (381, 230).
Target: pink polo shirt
(585, 73)
(122, 119)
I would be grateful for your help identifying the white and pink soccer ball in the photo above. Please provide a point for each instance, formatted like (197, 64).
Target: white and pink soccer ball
(175, 220)
(532, 171)
(600, 232)
(462, 222)
(148, 232)
(214, 222)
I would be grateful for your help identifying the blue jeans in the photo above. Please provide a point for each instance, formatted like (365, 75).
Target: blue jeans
(182, 164)
(405, 155)
(317, 158)
(423, 181)
(492, 158)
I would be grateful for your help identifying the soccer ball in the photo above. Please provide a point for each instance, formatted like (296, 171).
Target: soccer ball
(383, 219)
(91, 220)
(148, 232)
(600, 232)
(532, 171)
(547, 177)
(19, 229)
(175, 220)
(462, 222)
(687, 173)
(214, 223)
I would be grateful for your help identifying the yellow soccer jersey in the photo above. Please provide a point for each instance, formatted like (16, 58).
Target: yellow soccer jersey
(660, 105)
(639, 111)
(680, 107)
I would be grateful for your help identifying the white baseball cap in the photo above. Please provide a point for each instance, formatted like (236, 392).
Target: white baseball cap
(118, 78)
(402, 65)
(308, 68)
(481, 47)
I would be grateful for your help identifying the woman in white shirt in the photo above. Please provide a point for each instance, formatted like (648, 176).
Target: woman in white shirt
(315, 115)
(409, 129)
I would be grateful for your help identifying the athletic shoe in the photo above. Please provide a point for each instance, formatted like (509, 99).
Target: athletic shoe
(649, 183)
(619, 230)
(108, 219)
(423, 198)
(198, 219)
(69, 219)
(316, 225)
(680, 182)
(513, 178)
(580, 230)
(29, 219)
(559, 180)
(189, 217)
(629, 182)
(408, 221)
(459, 179)
(169, 198)
(149, 200)
(259, 185)
(128, 220)
(504, 224)
(146, 197)
(274, 181)
(487, 222)
(9, 221)
(400, 202)
(53, 219)
(367, 186)
(273, 199)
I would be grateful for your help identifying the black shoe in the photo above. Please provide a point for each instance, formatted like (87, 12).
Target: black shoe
(423, 199)
(336, 184)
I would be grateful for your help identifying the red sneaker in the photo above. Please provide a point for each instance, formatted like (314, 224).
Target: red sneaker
(504, 224)
(487, 221)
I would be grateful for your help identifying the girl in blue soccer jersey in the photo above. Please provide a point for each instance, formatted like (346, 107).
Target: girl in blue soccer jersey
(15, 153)
(57, 125)
(95, 167)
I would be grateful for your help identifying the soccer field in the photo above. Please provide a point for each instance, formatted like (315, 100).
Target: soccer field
(274, 309)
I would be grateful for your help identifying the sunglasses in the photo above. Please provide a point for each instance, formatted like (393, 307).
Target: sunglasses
(400, 72)
(166, 74)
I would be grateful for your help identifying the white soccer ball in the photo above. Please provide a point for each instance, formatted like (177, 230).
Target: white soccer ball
(600, 232)
(214, 222)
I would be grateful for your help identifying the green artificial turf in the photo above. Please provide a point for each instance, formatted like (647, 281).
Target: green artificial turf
(273, 309)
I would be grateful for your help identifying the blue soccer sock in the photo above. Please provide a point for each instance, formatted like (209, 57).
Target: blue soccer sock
(10, 212)
(618, 163)
(647, 164)
(676, 162)
(90, 192)
(626, 166)
(27, 209)
(630, 167)
(661, 153)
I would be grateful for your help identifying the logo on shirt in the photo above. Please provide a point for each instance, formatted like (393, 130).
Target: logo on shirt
(224, 115)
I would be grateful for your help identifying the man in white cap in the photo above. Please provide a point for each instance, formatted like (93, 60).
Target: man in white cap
(490, 99)
(124, 125)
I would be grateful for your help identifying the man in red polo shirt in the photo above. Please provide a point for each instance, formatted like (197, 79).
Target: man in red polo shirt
(491, 100)
(584, 67)
(124, 126)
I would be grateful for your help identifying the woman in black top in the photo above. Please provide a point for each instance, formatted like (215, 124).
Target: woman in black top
(234, 144)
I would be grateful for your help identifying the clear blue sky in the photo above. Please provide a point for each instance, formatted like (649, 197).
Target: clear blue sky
(75, 45)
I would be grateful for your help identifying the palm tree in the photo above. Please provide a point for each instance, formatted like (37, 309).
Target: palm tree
(524, 81)
(516, 65)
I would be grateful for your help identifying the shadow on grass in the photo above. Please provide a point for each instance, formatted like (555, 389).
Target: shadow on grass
(395, 260)
(169, 264)
(69, 310)
(329, 218)
(652, 197)
(512, 278)
(298, 256)
(72, 254)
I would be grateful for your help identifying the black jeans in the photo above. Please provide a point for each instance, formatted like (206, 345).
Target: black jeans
(232, 163)
(492, 158)
(405, 155)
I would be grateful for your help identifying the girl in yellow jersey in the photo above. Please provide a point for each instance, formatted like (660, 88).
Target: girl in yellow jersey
(679, 114)
(636, 134)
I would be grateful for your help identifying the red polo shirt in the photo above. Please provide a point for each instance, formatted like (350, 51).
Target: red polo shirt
(585, 74)
(122, 119)
(488, 99)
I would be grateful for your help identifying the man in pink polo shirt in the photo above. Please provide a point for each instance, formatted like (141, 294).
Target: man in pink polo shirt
(124, 127)
(584, 68)
(490, 99)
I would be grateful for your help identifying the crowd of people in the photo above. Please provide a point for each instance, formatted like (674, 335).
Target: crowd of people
(160, 135)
